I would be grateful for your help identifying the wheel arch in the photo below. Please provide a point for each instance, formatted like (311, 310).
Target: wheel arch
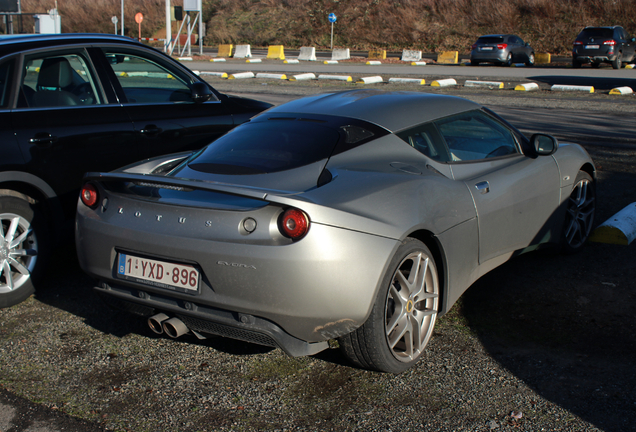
(589, 168)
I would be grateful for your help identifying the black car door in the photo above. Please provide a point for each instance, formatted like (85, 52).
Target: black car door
(65, 123)
(156, 93)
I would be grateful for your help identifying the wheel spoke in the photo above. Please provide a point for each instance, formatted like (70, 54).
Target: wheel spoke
(8, 237)
(23, 252)
(17, 241)
(7, 274)
(399, 311)
(18, 266)
(400, 329)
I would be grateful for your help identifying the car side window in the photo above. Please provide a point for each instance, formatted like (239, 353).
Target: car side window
(5, 82)
(427, 140)
(475, 135)
(58, 80)
(144, 80)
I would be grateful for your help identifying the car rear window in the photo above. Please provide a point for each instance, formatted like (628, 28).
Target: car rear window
(274, 145)
(597, 33)
(490, 39)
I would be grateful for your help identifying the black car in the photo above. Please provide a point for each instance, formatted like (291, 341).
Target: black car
(501, 49)
(596, 45)
(75, 103)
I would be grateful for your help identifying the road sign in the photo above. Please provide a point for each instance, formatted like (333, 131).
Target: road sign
(114, 20)
(139, 17)
(332, 18)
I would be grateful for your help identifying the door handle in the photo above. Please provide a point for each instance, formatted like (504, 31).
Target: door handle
(150, 130)
(43, 139)
(483, 187)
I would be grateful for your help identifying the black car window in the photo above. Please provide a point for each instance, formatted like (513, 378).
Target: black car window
(490, 39)
(5, 81)
(475, 135)
(595, 32)
(427, 140)
(145, 80)
(58, 80)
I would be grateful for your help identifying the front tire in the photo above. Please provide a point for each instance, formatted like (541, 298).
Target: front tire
(403, 316)
(530, 61)
(579, 215)
(23, 236)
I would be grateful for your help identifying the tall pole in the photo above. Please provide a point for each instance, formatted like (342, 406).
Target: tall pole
(122, 17)
(168, 45)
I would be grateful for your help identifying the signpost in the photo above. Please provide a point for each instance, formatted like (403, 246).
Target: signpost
(332, 19)
(139, 17)
(115, 21)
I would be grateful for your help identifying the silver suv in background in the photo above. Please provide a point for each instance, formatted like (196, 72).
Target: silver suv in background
(596, 45)
(502, 49)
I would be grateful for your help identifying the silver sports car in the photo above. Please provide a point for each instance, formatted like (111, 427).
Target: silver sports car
(359, 216)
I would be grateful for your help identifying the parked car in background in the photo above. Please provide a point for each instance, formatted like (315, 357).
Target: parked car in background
(74, 103)
(502, 49)
(596, 45)
(358, 215)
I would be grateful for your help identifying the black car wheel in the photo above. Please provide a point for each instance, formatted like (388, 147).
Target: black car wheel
(23, 237)
(401, 323)
(617, 63)
(579, 215)
(508, 61)
(530, 61)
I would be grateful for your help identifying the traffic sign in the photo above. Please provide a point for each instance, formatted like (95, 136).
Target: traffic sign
(332, 18)
(139, 18)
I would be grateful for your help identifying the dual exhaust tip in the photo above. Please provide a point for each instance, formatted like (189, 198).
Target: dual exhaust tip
(162, 323)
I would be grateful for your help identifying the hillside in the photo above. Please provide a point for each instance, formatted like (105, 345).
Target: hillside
(428, 25)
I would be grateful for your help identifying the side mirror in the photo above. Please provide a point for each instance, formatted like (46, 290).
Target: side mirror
(544, 144)
(200, 92)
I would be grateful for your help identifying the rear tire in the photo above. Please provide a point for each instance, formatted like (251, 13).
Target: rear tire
(617, 63)
(23, 243)
(403, 316)
(508, 61)
(579, 215)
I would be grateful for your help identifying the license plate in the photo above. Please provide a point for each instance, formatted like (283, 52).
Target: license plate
(591, 46)
(162, 274)
(486, 48)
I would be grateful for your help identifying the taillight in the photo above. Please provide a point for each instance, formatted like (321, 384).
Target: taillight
(89, 195)
(294, 224)
(610, 42)
(474, 46)
(578, 43)
(501, 46)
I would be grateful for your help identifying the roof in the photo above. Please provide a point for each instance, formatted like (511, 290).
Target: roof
(9, 43)
(393, 110)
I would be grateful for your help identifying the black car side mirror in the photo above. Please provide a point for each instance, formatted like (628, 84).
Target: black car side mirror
(200, 92)
(544, 144)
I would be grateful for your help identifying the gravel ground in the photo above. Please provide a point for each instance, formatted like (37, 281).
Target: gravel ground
(544, 343)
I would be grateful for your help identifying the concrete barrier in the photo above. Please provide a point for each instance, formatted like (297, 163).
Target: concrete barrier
(630, 66)
(184, 58)
(621, 91)
(243, 51)
(619, 229)
(331, 62)
(271, 76)
(377, 54)
(417, 81)
(374, 62)
(307, 53)
(527, 87)
(214, 74)
(303, 77)
(254, 61)
(411, 55)
(225, 50)
(444, 82)
(542, 58)
(346, 78)
(418, 63)
(448, 57)
(291, 61)
(561, 87)
(241, 75)
(276, 52)
(216, 59)
(370, 80)
(340, 54)
(486, 84)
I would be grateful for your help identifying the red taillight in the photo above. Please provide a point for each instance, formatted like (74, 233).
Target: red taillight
(474, 46)
(610, 42)
(501, 46)
(294, 224)
(578, 43)
(88, 195)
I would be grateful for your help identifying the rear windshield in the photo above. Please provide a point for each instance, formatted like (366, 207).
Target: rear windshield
(597, 33)
(267, 146)
(490, 39)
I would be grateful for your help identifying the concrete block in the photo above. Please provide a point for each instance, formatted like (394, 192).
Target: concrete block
(331, 61)
(418, 63)
(374, 62)
(340, 54)
(527, 87)
(241, 75)
(561, 87)
(370, 80)
(619, 229)
(276, 52)
(448, 57)
(411, 55)
(485, 84)
(621, 91)
(303, 77)
(417, 81)
(217, 59)
(271, 76)
(291, 61)
(377, 55)
(542, 58)
(225, 50)
(307, 53)
(346, 78)
(444, 82)
(215, 74)
(254, 61)
(243, 51)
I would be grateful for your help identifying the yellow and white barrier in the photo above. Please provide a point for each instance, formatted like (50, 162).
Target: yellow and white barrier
(241, 75)
(214, 74)
(417, 81)
(486, 84)
(619, 229)
(561, 87)
(370, 80)
(448, 57)
(271, 76)
(444, 82)
(346, 78)
(374, 62)
(303, 77)
(527, 87)
(276, 52)
(621, 91)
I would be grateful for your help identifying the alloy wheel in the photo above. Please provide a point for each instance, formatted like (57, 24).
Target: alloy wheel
(580, 213)
(18, 251)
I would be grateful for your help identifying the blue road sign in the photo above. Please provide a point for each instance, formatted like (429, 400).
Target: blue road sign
(332, 18)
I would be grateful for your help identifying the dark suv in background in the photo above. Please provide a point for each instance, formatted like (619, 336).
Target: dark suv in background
(596, 45)
(74, 103)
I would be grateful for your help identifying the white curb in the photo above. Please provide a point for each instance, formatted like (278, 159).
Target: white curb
(292, 61)
(619, 229)
(444, 82)
(630, 66)
(241, 75)
(418, 63)
(215, 74)
(346, 78)
(527, 87)
(254, 61)
(302, 77)
(271, 76)
(370, 80)
(374, 62)
(487, 84)
(331, 62)
(621, 91)
(184, 58)
(561, 87)
(407, 81)
(217, 60)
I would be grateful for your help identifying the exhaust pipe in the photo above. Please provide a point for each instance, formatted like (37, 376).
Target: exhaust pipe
(154, 322)
(174, 327)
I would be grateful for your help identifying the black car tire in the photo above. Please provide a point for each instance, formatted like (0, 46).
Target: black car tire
(617, 63)
(579, 214)
(508, 61)
(24, 269)
(530, 61)
(576, 64)
(406, 300)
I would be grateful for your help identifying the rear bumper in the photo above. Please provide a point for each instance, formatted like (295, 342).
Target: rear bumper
(488, 56)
